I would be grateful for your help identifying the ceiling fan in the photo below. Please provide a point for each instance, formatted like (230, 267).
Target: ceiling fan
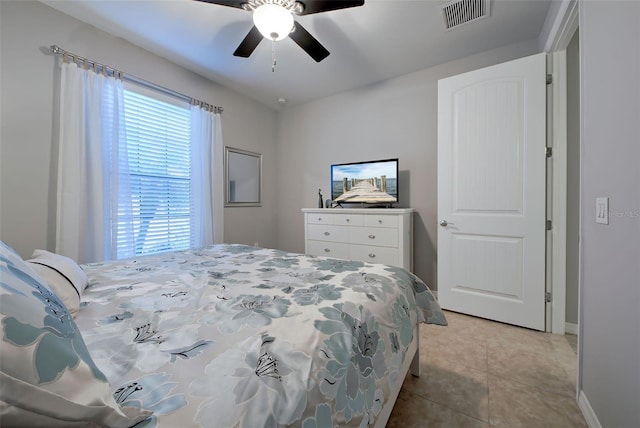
(273, 20)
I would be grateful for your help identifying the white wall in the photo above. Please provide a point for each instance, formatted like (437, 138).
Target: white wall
(28, 149)
(610, 254)
(394, 118)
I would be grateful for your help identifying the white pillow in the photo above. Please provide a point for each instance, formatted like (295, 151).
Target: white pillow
(62, 275)
(47, 376)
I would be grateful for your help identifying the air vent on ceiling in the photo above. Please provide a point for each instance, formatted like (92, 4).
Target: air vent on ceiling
(459, 12)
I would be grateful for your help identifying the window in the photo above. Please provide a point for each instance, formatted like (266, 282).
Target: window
(158, 134)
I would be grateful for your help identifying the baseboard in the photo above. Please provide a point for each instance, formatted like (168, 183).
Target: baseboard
(570, 328)
(587, 411)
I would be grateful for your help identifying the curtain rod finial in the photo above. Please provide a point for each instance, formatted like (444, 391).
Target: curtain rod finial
(55, 49)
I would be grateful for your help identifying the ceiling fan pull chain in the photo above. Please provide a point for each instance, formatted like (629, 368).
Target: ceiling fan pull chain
(273, 55)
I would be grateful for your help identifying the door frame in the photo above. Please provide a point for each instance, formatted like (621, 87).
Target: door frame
(562, 29)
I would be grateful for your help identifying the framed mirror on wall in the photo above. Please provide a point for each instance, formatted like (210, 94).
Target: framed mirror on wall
(243, 177)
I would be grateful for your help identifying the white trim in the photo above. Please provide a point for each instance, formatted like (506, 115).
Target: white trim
(587, 411)
(580, 213)
(570, 328)
(564, 25)
(559, 193)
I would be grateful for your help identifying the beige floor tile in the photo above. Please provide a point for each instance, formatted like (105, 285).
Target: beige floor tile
(573, 341)
(561, 346)
(470, 353)
(457, 387)
(461, 326)
(477, 371)
(566, 357)
(510, 336)
(539, 370)
(513, 405)
(412, 411)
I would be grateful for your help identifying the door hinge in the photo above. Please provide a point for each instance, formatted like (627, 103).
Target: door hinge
(547, 297)
(548, 151)
(549, 79)
(549, 225)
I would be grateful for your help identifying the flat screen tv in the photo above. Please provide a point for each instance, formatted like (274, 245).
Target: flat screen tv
(371, 182)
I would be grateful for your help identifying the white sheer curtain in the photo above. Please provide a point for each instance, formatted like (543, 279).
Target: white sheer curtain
(94, 203)
(91, 147)
(207, 178)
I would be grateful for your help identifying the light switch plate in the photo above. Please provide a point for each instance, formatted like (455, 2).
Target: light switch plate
(602, 210)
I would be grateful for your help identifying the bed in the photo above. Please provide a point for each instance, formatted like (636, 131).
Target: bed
(228, 335)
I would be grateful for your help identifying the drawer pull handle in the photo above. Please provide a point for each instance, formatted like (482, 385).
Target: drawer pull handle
(319, 218)
(327, 233)
(380, 221)
(326, 250)
(372, 236)
(373, 256)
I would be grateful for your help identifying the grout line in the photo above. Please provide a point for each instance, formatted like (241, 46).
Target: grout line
(455, 410)
(457, 334)
(488, 390)
(415, 396)
(570, 394)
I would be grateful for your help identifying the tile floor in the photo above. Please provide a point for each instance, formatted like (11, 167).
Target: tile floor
(479, 373)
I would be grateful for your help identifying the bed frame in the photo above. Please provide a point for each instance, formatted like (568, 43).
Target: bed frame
(410, 364)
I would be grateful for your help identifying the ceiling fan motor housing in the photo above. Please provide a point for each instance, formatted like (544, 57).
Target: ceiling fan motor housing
(295, 31)
(290, 5)
(273, 21)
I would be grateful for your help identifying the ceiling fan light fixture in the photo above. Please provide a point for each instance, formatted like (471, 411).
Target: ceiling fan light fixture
(273, 21)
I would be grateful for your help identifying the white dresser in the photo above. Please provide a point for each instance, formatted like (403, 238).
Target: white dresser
(376, 235)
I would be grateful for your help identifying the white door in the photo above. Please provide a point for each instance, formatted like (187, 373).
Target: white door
(491, 192)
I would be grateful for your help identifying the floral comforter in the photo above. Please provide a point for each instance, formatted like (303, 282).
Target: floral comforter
(233, 335)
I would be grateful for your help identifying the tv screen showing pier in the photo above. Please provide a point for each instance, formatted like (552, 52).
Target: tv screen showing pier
(370, 182)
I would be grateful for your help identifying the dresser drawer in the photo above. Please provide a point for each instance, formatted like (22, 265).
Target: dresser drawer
(317, 218)
(327, 232)
(381, 220)
(328, 249)
(348, 219)
(370, 235)
(366, 253)
(376, 236)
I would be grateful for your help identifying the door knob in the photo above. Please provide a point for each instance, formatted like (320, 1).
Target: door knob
(443, 223)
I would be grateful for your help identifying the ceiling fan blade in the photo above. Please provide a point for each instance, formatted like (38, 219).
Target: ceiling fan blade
(317, 6)
(249, 44)
(231, 3)
(307, 42)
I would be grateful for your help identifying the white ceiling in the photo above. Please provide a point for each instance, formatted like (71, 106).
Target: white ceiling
(374, 42)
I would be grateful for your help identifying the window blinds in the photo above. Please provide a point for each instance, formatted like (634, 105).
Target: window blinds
(159, 168)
